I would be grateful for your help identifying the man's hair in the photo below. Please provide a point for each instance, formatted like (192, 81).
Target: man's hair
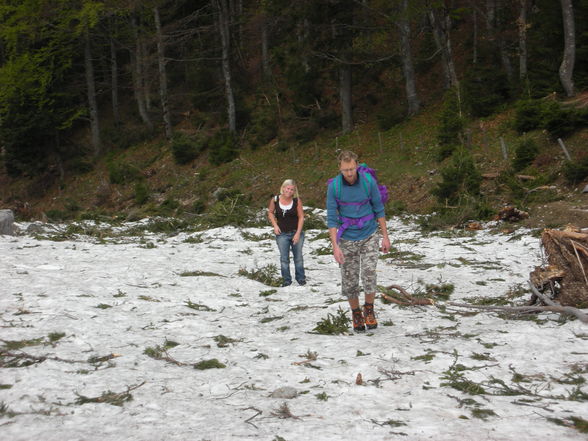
(346, 156)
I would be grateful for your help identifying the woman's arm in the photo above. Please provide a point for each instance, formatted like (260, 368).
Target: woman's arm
(271, 209)
(300, 213)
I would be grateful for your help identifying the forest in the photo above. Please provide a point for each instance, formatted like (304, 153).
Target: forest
(81, 79)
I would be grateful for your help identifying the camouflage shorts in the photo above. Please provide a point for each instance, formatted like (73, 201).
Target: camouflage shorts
(361, 256)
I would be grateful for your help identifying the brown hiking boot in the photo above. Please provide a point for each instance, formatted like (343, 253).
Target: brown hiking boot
(370, 316)
(358, 323)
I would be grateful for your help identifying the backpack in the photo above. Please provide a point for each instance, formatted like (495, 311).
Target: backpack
(369, 175)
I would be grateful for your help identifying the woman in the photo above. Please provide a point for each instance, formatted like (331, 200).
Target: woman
(287, 217)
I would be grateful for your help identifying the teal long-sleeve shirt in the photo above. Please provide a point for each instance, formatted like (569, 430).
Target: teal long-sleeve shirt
(358, 192)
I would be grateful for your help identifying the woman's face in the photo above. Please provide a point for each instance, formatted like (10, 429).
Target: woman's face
(289, 190)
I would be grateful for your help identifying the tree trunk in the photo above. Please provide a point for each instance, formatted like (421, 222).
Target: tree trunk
(265, 63)
(92, 103)
(523, 40)
(162, 76)
(493, 24)
(504, 56)
(566, 69)
(345, 95)
(145, 77)
(114, 81)
(407, 62)
(223, 24)
(475, 36)
(138, 80)
(440, 27)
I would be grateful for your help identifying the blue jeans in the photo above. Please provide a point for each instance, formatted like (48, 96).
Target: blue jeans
(284, 241)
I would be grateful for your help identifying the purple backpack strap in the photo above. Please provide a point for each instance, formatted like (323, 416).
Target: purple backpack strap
(348, 221)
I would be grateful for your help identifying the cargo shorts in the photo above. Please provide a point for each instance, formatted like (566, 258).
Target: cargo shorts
(361, 257)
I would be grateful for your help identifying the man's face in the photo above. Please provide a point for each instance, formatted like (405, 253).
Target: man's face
(349, 170)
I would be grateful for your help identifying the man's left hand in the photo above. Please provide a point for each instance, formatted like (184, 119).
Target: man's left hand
(385, 245)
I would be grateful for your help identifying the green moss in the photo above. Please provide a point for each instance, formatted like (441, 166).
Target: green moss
(209, 364)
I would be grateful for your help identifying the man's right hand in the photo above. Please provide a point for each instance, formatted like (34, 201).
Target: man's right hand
(338, 254)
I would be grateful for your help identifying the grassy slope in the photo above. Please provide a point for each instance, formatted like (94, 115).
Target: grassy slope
(404, 157)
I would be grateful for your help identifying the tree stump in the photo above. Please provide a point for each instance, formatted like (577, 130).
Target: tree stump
(567, 269)
(6, 222)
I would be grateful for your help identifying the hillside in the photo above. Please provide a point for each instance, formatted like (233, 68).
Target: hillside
(405, 157)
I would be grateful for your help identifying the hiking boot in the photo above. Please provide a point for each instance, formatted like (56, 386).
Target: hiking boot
(358, 323)
(370, 316)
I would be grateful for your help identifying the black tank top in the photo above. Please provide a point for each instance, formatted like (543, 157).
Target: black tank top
(287, 219)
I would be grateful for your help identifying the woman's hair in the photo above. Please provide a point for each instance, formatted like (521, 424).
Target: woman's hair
(346, 156)
(290, 182)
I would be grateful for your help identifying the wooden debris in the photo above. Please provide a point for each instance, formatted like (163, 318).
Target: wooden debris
(566, 274)
(404, 298)
(511, 214)
(474, 226)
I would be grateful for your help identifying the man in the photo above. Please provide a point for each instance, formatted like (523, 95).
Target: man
(354, 213)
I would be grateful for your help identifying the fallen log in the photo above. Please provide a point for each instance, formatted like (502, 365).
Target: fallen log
(558, 308)
(524, 309)
(567, 267)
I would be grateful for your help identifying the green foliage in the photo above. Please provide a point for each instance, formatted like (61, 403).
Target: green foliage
(445, 151)
(485, 88)
(333, 324)
(232, 210)
(55, 336)
(441, 290)
(550, 115)
(469, 209)
(451, 119)
(185, 149)
(560, 121)
(198, 306)
(528, 115)
(122, 137)
(461, 179)
(38, 98)
(575, 172)
(306, 131)
(168, 206)
(390, 115)
(314, 221)
(264, 125)
(123, 173)
(213, 363)
(223, 341)
(116, 399)
(523, 193)
(222, 147)
(268, 275)
(525, 153)
(141, 193)
(322, 396)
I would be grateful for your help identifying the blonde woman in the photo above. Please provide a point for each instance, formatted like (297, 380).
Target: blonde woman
(286, 215)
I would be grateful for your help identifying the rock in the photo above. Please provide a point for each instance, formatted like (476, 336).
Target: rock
(219, 193)
(7, 222)
(35, 228)
(286, 392)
